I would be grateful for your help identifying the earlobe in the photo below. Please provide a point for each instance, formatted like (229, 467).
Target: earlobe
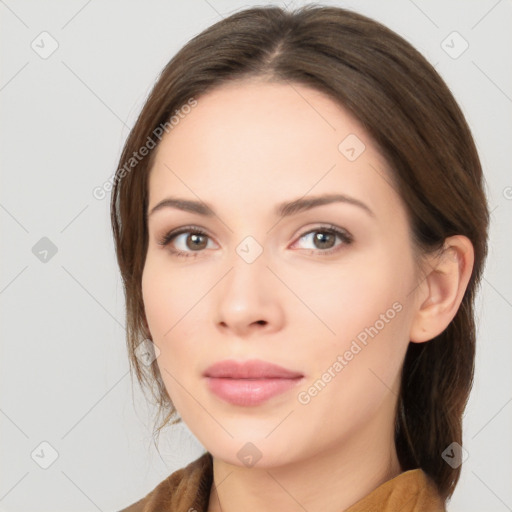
(444, 286)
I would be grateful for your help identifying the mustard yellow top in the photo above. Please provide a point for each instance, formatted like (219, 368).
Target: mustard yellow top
(189, 487)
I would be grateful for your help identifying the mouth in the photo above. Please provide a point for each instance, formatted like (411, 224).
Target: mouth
(249, 383)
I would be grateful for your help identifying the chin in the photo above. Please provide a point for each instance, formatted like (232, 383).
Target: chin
(251, 452)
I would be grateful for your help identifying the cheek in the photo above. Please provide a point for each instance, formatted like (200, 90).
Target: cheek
(169, 300)
(342, 304)
(351, 376)
(366, 321)
(167, 295)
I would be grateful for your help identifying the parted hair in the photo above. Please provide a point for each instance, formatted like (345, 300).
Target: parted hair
(414, 120)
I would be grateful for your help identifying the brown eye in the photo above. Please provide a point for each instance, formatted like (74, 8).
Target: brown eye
(196, 241)
(324, 239)
(186, 241)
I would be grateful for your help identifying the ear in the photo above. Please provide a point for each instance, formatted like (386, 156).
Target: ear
(443, 288)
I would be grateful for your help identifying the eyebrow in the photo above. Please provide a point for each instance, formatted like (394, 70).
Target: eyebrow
(281, 210)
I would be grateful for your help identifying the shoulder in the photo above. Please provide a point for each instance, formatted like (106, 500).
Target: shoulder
(188, 487)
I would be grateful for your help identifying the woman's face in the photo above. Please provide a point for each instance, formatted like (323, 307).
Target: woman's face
(278, 283)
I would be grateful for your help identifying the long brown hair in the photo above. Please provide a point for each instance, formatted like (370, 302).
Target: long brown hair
(413, 118)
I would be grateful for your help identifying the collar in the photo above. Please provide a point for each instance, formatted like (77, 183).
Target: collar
(189, 489)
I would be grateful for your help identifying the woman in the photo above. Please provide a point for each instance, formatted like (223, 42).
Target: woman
(301, 228)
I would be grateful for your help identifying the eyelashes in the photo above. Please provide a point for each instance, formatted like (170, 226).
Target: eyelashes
(342, 234)
(169, 237)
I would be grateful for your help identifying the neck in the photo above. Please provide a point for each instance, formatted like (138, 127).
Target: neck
(331, 481)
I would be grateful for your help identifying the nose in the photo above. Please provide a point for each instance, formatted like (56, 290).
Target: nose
(248, 299)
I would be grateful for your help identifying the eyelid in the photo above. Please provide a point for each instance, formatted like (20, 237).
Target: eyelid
(343, 234)
(326, 227)
(169, 235)
(340, 232)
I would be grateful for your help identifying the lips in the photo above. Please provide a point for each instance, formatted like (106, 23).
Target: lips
(253, 369)
(249, 383)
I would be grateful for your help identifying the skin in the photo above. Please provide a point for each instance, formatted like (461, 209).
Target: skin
(243, 149)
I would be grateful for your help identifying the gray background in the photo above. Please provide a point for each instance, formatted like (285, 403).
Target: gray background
(64, 370)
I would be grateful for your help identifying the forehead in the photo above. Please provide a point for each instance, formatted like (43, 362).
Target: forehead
(252, 138)
(262, 119)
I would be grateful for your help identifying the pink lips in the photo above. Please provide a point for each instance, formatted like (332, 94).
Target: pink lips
(251, 382)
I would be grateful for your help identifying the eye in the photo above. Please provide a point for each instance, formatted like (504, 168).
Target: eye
(324, 238)
(195, 239)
